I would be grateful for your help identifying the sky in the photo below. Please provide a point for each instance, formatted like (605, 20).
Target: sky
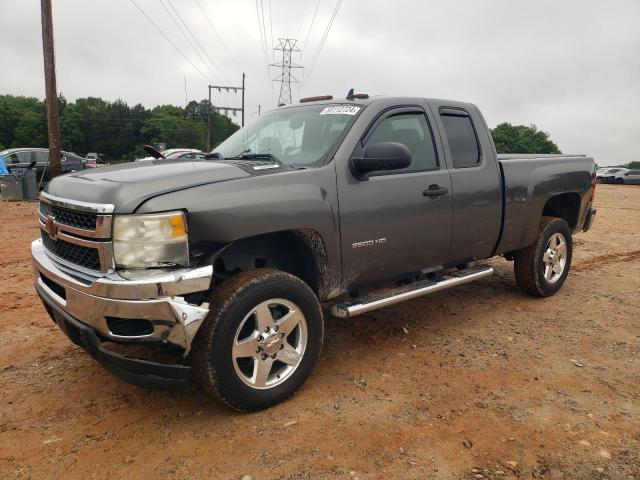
(570, 67)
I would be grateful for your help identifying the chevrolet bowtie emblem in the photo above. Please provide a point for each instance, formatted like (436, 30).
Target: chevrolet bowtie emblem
(51, 227)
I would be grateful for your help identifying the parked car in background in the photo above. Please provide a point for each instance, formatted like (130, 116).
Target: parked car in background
(98, 157)
(606, 176)
(172, 153)
(90, 163)
(627, 177)
(21, 158)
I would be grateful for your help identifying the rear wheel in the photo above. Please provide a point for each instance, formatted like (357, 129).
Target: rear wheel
(619, 181)
(542, 268)
(260, 341)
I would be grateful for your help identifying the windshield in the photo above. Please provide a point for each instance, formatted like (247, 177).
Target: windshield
(298, 135)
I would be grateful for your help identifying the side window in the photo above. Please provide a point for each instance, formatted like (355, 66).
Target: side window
(412, 130)
(462, 140)
(42, 157)
(19, 157)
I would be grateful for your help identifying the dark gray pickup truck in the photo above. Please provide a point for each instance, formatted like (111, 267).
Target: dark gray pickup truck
(223, 264)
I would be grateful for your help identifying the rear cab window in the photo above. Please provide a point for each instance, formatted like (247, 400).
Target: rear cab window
(461, 137)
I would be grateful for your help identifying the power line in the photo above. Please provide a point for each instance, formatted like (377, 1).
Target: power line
(263, 39)
(186, 37)
(313, 19)
(304, 10)
(169, 40)
(215, 31)
(195, 38)
(264, 28)
(270, 22)
(324, 38)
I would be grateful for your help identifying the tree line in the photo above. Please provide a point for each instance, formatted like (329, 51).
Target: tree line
(112, 128)
(522, 139)
(119, 131)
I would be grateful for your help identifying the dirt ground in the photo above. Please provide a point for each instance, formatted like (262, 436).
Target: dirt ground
(477, 382)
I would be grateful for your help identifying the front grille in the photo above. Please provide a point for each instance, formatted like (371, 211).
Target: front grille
(80, 255)
(86, 221)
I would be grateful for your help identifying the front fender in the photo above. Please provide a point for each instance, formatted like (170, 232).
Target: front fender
(225, 212)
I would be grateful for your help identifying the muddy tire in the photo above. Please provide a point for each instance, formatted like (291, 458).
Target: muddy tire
(542, 268)
(260, 341)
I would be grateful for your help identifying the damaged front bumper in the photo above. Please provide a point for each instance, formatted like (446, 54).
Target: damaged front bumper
(139, 307)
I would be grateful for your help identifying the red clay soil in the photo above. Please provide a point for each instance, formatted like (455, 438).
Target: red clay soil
(478, 382)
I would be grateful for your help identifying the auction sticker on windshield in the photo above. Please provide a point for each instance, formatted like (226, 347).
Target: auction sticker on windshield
(340, 110)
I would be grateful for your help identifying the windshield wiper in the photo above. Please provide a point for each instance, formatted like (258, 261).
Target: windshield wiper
(255, 156)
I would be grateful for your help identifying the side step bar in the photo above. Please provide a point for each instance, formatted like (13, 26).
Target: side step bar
(391, 296)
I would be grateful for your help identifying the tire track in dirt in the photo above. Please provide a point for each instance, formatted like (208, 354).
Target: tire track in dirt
(602, 260)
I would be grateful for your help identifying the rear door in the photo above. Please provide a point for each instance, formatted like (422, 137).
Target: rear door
(396, 222)
(475, 181)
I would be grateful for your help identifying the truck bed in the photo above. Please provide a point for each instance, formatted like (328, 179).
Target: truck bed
(529, 181)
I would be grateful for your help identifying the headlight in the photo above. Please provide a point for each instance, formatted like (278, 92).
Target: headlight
(153, 240)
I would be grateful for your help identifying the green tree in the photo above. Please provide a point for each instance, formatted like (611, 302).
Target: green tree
(522, 139)
(19, 115)
(112, 128)
(71, 135)
(634, 165)
(31, 130)
(168, 125)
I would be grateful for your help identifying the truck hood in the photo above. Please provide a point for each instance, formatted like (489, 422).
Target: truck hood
(128, 185)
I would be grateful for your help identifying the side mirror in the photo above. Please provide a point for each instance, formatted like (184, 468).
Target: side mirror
(380, 156)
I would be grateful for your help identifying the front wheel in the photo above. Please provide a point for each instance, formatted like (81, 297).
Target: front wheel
(542, 268)
(260, 341)
(619, 181)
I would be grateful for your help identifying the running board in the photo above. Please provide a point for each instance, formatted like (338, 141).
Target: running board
(391, 296)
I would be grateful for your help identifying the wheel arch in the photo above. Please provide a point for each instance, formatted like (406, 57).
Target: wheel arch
(299, 252)
(565, 206)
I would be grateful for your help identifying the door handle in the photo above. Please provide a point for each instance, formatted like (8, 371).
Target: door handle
(435, 191)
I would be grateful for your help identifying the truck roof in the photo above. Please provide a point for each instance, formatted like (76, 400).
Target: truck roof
(324, 100)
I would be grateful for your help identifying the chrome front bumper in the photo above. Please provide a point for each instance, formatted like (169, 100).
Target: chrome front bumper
(152, 295)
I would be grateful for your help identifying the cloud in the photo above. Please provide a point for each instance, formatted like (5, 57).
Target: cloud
(572, 68)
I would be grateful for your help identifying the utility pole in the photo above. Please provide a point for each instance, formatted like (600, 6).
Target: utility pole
(287, 46)
(243, 77)
(226, 110)
(53, 122)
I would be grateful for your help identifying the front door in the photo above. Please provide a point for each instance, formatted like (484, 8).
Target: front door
(396, 222)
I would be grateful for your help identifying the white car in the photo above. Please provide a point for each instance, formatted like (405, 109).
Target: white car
(627, 177)
(607, 174)
(172, 153)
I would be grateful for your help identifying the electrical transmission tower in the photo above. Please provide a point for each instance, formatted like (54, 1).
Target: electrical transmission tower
(287, 46)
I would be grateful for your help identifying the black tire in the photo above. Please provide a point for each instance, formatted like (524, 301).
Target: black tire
(619, 181)
(529, 263)
(230, 303)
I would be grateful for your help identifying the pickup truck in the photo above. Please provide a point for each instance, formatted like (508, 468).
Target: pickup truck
(224, 264)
